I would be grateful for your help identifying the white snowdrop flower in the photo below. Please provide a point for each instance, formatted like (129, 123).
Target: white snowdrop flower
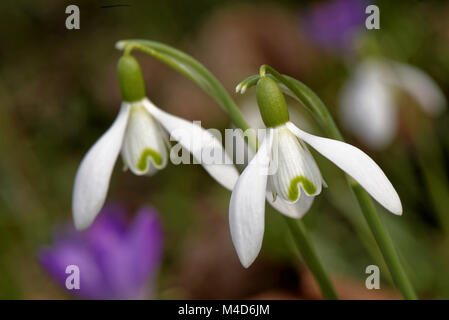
(367, 101)
(284, 172)
(139, 133)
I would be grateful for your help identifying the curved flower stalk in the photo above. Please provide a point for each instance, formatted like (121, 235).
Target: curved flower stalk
(139, 134)
(284, 164)
(368, 104)
(115, 260)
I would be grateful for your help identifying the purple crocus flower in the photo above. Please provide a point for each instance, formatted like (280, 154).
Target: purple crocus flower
(334, 24)
(116, 260)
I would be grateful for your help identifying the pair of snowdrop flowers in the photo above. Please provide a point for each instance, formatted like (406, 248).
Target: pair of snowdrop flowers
(374, 120)
(283, 171)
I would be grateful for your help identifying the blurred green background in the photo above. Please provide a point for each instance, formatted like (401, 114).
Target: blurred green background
(59, 93)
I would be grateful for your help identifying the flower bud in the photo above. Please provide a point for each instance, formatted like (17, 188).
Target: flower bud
(271, 101)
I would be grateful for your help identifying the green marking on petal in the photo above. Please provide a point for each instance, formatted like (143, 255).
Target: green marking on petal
(142, 164)
(293, 190)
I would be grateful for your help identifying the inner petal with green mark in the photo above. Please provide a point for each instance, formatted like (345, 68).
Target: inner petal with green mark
(295, 168)
(144, 149)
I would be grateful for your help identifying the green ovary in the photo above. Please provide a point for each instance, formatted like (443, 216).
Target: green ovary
(142, 164)
(293, 190)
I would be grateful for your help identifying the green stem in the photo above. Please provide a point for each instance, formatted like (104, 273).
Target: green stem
(314, 104)
(438, 189)
(309, 255)
(384, 241)
(363, 232)
(428, 150)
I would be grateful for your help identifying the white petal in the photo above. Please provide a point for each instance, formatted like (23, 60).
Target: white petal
(293, 167)
(94, 173)
(358, 165)
(367, 106)
(144, 150)
(199, 142)
(421, 87)
(247, 205)
(293, 210)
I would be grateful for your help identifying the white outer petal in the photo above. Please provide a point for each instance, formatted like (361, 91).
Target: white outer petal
(367, 106)
(358, 165)
(421, 87)
(293, 210)
(94, 173)
(247, 205)
(196, 140)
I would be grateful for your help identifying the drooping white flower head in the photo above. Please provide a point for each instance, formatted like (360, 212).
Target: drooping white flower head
(139, 133)
(367, 101)
(284, 172)
(250, 110)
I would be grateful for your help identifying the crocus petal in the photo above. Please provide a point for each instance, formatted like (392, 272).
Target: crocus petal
(111, 220)
(145, 241)
(421, 87)
(294, 168)
(358, 165)
(293, 210)
(144, 149)
(56, 259)
(247, 205)
(113, 256)
(367, 106)
(198, 141)
(94, 173)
